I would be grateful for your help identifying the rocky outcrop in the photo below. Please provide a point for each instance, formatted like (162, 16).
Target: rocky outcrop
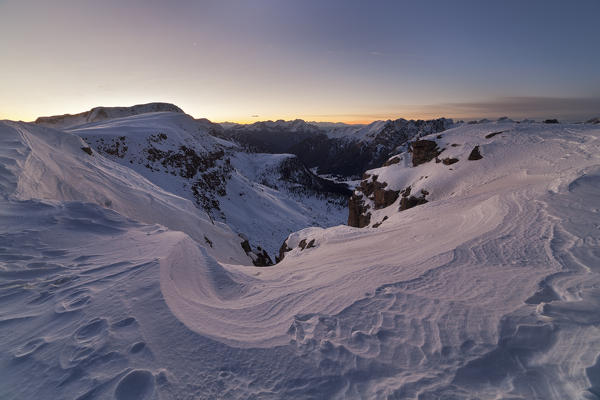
(282, 250)
(475, 154)
(407, 201)
(259, 257)
(303, 245)
(358, 212)
(424, 151)
(391, 161)
(376, 192)
(449, 161)
(551, 121)
(378, 224)
(384, 198)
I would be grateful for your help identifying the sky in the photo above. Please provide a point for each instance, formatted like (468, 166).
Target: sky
(319, 60)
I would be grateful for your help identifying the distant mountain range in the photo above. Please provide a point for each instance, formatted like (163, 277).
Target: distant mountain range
(339, 150)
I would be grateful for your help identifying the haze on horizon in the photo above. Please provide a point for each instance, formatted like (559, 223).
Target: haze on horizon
(339, 60)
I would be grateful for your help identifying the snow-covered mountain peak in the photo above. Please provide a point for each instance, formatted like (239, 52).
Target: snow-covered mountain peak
(104, 113)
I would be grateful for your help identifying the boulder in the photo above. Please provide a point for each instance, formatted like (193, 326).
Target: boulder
(424, 151)
(449, 161)
(358, 215)
(475, 154)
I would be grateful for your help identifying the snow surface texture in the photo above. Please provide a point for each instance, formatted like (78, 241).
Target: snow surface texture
(490, 290)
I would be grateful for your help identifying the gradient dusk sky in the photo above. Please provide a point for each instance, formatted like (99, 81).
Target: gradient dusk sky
(339, 60)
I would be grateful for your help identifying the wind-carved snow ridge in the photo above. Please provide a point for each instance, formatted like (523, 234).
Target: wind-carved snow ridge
(490, 290)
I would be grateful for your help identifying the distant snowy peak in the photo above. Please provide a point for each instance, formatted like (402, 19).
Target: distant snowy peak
(97, 114)
(346, 150)
(366, 133)
(297, 125)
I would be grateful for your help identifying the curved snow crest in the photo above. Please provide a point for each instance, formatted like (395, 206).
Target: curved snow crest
(258, 307)
(43, 163)
(104, 113)
(493, 291)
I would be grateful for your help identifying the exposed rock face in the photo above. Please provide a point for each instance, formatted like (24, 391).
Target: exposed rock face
(449, 161)
(392, 161)
(423, 151)
(378, 224)
(358, 215)
(384, 198)
(376, 191)
(282, 250)
(262, 258)
(475, 154)
(259, 257)
(303, 245)
(551, 121)
(358, 211)
(593, 121)
(410, 202)
(407, 201)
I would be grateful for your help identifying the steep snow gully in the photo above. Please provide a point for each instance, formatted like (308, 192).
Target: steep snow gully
(490, 291)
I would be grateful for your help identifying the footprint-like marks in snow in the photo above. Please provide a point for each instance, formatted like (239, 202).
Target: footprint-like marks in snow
(124, 322)
(91, 331)
(136, 385)
(76, 300)
(136, 348)
(29, 348)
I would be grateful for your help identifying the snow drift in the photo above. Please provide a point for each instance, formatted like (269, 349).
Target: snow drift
(489, 290)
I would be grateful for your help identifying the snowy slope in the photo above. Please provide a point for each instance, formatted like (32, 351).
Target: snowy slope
(42, 163)
(490, 290)
(246, 191)
(103, 113)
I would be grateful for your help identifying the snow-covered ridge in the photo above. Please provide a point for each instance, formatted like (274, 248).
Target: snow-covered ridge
(489, 290)
(104, 113)
(257, 195)
(43, 163)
